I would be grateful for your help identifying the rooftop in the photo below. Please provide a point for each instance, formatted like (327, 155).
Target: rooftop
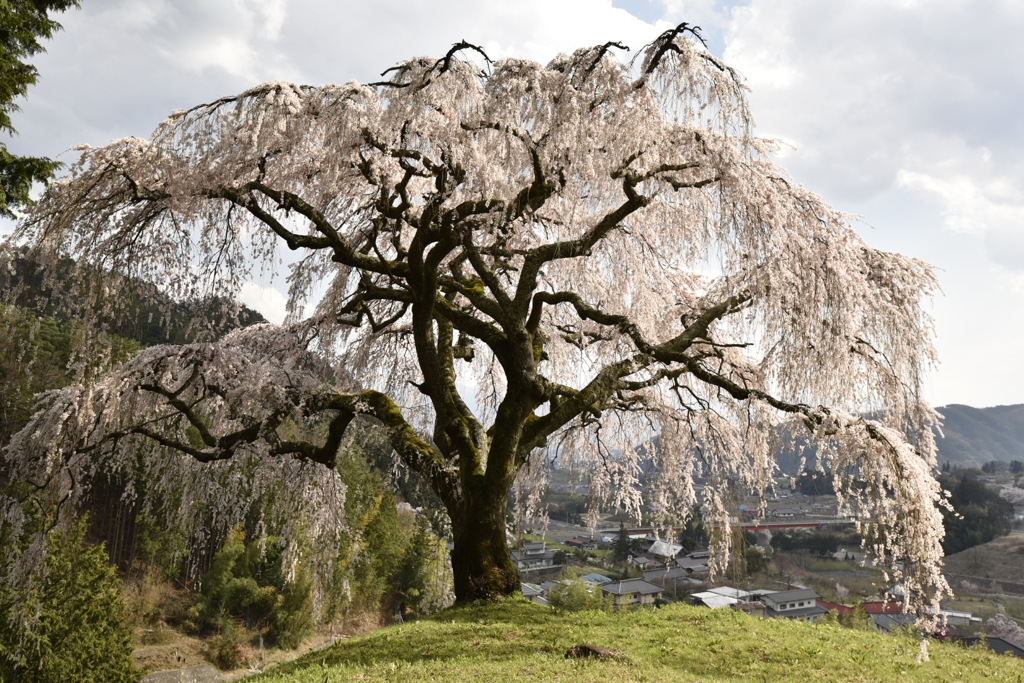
(631, 586)
(813, 610)
(792, 595)
(599, 579)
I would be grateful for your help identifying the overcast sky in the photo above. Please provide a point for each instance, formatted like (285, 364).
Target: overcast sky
(907, 113)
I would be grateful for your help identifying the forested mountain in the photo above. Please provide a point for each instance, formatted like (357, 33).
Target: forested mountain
(38, 332)
(970, 437)
(140, 311)
(975, 436)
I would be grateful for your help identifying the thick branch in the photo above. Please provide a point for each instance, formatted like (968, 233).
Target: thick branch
(611, 378)
(413, 449)
(580, 246)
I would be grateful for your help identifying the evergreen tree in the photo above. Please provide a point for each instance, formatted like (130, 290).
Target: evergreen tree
(622, 548)
(694, 534)
(575, 595)
(979, 513)
(23, 24)
(424, 578)
(71, 626)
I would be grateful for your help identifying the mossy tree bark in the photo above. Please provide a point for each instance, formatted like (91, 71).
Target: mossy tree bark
(481, 562)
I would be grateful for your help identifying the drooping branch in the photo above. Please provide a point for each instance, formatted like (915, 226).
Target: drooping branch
(604, 252)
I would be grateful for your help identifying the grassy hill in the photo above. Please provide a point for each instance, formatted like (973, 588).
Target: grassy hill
(520, 641)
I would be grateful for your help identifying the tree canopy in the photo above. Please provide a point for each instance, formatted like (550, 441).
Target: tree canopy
(504, 263)
(23, 24)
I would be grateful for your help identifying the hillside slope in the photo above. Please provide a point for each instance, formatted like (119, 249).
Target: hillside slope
(974, 436)
(970, 437)
(520, 641)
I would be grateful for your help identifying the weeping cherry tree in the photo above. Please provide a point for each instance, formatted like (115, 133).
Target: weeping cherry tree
(503, 263)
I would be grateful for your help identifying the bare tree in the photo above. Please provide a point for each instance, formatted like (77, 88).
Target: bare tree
(503, 262)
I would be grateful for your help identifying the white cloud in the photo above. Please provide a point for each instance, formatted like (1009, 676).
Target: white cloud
(909, 114)
(989, 208)
(273, 14)
(872, 87)
(121, 66)
(912, 108)
(268, 301)
(970, 205)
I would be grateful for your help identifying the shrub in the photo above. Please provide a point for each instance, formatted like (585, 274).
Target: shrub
(71, 625)
(576, 595)
(292, 621)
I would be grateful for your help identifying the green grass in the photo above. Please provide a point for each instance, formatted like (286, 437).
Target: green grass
(519, 641)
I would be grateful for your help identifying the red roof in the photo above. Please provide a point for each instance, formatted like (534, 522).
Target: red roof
(836, 607)
(886, 607)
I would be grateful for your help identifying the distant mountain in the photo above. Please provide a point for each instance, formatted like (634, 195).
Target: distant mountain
(139, 311)
(38, 330)
(971, 437)
(974, 436)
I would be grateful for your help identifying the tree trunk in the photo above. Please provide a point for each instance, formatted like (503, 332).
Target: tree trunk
(481, 561)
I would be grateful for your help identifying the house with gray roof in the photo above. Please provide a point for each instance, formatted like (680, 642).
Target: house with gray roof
(1001, 646)
(534, 593)
(664, 549)
(643, 560)
(632, 592)
(720, 596)
(673, 579)
(692, 565)
(801, 604)
(533, 556)
(887, 623)
(660, 576)
(582, 542)
(712, 600)
(735, 593)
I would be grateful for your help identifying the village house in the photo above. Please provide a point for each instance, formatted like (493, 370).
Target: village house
(632, 592)
(712, 600)
(886, 623)
(754, 609)
(674, 580)
(644, 561)
(855, 555)
(664, 551)
(959, 619)
(1000, 646)
(533, 556)
(721, 596)
(582, 543)
(801, 604)
(670, 576)
(596, 579)
(840, 609)
(693, 565)
(883, 607)
(534, 593)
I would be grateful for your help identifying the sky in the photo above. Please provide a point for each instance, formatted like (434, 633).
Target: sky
(906, 113)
